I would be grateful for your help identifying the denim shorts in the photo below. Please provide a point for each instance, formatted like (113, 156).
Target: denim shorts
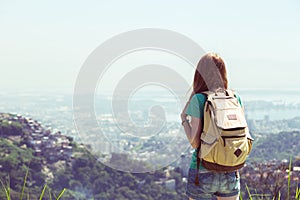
(212, 183)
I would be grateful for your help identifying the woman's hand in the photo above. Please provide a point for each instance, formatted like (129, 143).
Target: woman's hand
(183, 114)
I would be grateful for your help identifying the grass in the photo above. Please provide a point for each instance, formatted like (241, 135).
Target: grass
(254, 196)
(289, 178)
(24, 184)
(297, 196)
(7, 190)
(262, 196)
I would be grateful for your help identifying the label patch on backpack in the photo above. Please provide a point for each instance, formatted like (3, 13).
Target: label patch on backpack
(238, 152)
(232, 117)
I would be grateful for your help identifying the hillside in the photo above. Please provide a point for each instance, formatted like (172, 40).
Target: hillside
(279, 146)
(78, 170)
(59, 162)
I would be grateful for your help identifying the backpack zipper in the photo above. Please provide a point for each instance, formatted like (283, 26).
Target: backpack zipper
(228, 137)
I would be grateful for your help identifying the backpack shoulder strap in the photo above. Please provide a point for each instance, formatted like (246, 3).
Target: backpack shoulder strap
(229, 92)
(208, 95)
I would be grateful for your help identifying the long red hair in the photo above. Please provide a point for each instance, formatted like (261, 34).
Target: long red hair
(210, 74)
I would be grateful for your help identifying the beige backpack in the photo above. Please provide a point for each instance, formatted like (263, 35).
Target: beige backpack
(225, 140)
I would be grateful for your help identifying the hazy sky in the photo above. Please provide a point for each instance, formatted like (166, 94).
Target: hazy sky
(43, 44)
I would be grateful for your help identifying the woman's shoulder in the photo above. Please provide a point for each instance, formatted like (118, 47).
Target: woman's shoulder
(199, 97)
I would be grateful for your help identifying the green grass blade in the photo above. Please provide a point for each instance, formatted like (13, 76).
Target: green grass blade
(50, 196)
(297, 195)
(241, 197)
(24, 184)
(54, 196)
(61, 193)
(43, 192)
(6, 190)
(289, 178)
(249, 194)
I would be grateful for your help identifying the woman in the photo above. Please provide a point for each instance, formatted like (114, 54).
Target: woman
(210, 75)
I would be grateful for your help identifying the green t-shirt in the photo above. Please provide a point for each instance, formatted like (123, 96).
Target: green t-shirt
(196, 109)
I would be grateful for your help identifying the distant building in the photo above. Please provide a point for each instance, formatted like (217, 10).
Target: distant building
(266, 118)
(296, 169)
(184, 165)
(170, 184)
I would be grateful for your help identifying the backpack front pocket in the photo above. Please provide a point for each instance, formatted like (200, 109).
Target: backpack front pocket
(233, 150)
